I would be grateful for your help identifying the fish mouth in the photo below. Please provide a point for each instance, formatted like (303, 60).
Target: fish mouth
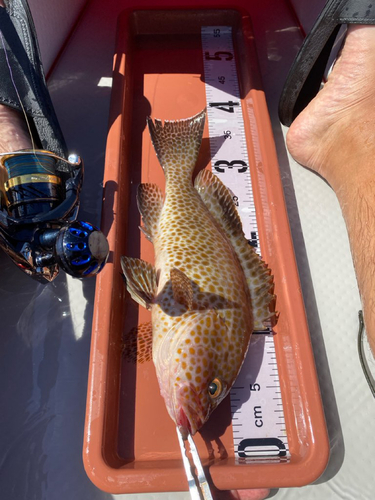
(188, 422)
(189, 417)
(183, 424)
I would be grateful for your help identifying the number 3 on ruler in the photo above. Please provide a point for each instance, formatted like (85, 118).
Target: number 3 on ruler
(220, 165)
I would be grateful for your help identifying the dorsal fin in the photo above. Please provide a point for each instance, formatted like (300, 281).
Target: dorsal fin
(218, 199)
(150, 203)
(177, 142)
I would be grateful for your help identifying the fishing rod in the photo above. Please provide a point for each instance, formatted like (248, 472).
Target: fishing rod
(39, 188)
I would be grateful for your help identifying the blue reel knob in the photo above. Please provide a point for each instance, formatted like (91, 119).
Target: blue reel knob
(81, 250)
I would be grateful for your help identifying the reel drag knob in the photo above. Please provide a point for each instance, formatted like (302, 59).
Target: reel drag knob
(81, 250)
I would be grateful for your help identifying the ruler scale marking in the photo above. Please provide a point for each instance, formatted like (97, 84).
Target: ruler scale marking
(257, 417)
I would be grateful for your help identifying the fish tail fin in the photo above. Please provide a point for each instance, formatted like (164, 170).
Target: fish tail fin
(177, 143)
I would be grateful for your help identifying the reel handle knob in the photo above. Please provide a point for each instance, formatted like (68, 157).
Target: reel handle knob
(80, 249)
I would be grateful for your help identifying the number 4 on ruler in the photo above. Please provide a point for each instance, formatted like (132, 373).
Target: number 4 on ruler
(224, 106)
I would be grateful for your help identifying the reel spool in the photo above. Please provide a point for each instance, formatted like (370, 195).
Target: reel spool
(33, 186)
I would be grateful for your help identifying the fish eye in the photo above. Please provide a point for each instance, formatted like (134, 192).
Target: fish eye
(215, 388)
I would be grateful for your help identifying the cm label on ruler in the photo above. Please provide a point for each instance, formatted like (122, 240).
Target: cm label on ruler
(257, 412)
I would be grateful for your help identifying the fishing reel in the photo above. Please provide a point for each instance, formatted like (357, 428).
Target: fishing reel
(39, 200)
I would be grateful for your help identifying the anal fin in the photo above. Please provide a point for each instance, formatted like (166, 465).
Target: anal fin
(150, 202)
(218, 200)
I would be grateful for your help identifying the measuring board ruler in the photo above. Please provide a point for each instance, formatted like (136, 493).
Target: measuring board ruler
(258, 422)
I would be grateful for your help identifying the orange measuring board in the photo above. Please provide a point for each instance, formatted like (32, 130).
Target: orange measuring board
(130, 441)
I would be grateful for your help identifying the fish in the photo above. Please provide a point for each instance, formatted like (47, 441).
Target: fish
(208, 289)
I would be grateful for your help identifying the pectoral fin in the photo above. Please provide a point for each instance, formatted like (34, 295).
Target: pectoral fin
(141, 280)
(182, 288)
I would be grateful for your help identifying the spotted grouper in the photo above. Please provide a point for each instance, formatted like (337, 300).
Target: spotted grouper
(208, 289)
